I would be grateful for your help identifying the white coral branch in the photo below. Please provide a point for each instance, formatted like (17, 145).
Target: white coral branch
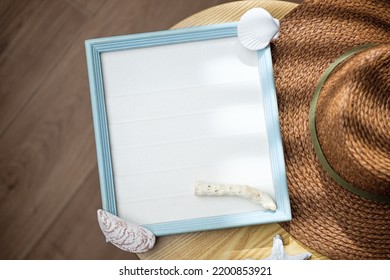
(255, 195)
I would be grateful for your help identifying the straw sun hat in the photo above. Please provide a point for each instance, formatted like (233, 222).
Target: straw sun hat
(334, 104)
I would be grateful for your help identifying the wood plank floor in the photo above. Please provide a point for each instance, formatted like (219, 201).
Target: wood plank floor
(49, 187)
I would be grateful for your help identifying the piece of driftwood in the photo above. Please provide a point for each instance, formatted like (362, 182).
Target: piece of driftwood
(254, 195)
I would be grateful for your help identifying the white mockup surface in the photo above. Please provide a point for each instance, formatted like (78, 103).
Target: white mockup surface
(183, 113)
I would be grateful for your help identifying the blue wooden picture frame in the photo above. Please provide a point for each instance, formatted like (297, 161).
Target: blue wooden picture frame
(94, 49)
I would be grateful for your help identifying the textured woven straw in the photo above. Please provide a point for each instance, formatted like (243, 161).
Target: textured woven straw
(352, 121)
(233, 11)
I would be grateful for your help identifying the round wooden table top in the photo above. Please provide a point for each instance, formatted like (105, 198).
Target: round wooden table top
(251, 242)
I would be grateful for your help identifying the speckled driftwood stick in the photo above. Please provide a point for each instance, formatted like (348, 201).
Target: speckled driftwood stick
(255, 195)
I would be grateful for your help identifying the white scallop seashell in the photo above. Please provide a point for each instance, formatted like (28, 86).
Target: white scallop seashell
(125, 235)
(257, 28)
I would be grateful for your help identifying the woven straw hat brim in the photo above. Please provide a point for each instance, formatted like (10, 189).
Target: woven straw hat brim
(326, 217)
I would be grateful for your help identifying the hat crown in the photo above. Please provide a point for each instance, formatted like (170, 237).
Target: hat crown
(353, 121)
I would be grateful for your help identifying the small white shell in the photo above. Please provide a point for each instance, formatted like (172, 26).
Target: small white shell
(278, 252)
(124, 235)
(257, 28)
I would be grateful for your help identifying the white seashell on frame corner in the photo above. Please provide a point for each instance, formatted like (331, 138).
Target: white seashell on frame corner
(257, 28)
(125, 235)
